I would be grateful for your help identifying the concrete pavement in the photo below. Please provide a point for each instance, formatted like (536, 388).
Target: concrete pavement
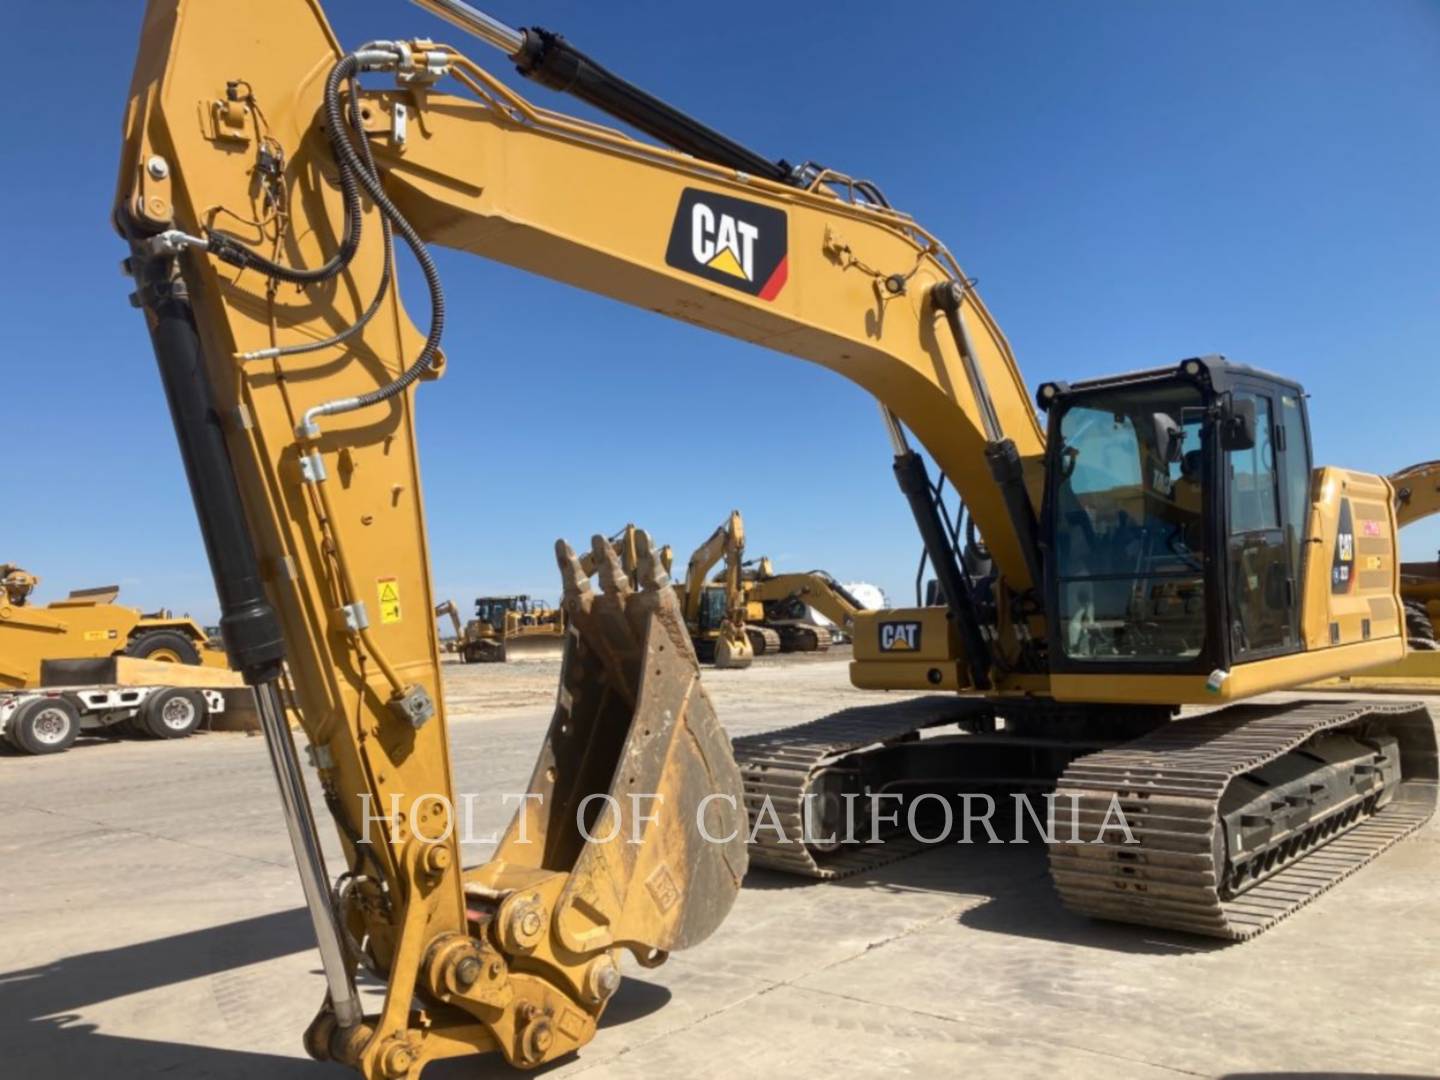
(152, 926)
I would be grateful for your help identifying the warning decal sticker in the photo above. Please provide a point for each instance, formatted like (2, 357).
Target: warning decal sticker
(388, 590)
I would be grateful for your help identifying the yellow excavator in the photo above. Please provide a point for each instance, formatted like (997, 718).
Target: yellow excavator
(715, 610)
(447, 609)
(87, 624)
(782, 603)
(1166, 541)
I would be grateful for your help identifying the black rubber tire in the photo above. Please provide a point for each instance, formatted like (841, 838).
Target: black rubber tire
(44, 726)
(172, 713)
(147, 643)
(1418, 626)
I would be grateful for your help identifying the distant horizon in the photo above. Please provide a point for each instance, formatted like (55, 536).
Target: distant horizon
(1130, 183)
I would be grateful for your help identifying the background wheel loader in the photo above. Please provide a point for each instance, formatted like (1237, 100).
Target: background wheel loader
(87, 624)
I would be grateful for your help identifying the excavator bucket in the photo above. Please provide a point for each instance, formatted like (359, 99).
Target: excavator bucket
(734, 651)
(636, 796)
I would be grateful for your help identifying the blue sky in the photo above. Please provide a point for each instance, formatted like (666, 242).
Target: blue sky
(1132, 182)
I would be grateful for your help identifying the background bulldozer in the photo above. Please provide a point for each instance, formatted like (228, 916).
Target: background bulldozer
(506, 623)
(87, 624)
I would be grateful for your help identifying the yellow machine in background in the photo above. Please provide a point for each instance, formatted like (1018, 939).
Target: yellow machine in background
(87, 624)
(506, 624)
(1417, 496)
(447, 609)
(1167, 540)
(782, 603)
(715, 611)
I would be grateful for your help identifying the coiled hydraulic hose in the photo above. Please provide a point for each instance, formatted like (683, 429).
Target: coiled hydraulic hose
(369, 179)
(385, 273)
(230, 250)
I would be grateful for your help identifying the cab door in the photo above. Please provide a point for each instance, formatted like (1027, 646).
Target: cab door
(1265, 501)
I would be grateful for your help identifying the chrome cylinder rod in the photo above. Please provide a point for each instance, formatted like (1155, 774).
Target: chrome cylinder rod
(473, 21)
(898, 442)
(314, 880)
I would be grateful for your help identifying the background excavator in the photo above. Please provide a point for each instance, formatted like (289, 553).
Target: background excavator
(87, 624)
(715, 610)
(783, 603)
(1167, 541)
(447, 609)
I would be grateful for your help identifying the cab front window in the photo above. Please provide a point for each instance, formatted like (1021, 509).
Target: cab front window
(1128, 520)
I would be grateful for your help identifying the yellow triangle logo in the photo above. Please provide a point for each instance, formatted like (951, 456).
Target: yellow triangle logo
(388, 594)
(900, 643)
(726, 263)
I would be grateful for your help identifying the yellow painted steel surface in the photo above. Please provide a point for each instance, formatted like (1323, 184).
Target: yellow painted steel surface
(85, 625)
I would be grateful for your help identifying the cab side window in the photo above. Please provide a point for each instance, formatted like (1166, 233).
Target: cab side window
(1297, 479)
(1254, 484)
(1262, 593)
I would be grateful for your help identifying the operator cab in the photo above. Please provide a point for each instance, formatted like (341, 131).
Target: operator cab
(714, 607)
(1174, 521)
(493, 609)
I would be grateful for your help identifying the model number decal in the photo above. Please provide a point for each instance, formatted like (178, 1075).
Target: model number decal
(1342, 563)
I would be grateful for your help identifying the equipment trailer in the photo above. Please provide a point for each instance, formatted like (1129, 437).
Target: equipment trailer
(49, 720)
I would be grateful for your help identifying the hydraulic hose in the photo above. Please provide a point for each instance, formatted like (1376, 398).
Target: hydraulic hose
(228, 249)
(369, 179)
(385, 274)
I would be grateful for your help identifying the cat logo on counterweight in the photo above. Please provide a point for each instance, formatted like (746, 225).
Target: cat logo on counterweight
(899, 636)
(738, 244)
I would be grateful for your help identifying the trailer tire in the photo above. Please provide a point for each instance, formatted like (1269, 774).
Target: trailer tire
(132, 727)
(167, 646)
(172, 713)
(45, 726)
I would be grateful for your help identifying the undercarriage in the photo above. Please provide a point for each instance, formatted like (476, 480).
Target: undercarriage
(1219, 823)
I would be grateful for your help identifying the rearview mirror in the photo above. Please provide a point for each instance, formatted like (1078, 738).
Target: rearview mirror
(1169, 438)
(1237, 425)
